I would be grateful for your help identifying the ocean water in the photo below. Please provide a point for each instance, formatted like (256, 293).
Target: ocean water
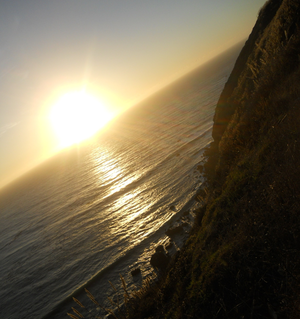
(99, 210)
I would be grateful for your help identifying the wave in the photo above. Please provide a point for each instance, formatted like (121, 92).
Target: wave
(128, 254)
(184, 147)
(143, 177)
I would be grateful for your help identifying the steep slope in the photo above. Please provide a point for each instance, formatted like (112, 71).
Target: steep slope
(226, 105)
(242, 259)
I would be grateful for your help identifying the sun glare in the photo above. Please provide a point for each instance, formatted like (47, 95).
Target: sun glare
(77, 116)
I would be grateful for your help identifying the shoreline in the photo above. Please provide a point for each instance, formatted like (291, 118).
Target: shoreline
(153, 241)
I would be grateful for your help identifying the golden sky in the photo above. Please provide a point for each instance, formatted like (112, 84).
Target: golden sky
(119, 52)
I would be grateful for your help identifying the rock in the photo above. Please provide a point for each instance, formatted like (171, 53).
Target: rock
(174, 230)
(169, 245)
(160, 248)
(135, 272)
(173, 208)
(159, 260)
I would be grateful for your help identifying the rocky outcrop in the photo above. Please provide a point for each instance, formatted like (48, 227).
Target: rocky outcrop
(174, 230)
(159, 260)
(135, 272)
(160, 249)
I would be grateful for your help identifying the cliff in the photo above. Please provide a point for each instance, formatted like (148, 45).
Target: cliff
(242, 259)
(226, 104)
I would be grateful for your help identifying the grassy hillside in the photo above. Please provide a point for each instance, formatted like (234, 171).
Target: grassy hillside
(242, 259)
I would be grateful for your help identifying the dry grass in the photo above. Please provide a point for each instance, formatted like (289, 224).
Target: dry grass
(242, 259)
(120, 309)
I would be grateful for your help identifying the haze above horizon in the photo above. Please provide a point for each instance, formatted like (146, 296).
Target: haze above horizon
(119, 52)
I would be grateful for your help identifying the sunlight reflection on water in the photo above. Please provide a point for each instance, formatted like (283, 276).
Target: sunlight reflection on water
(106, 210)
(106, 167)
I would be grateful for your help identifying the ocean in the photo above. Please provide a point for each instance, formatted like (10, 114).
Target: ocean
(98, 210)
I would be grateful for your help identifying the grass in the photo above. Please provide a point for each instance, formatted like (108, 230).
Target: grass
(120, 309)
(242, 258)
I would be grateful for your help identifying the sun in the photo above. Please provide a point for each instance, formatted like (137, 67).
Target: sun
(77, 116)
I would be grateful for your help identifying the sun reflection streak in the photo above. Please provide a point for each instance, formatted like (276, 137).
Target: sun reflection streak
(105, 167)
(110, 171)
(129, 208)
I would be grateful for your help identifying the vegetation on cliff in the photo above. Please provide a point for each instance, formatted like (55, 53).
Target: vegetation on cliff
(242, 259)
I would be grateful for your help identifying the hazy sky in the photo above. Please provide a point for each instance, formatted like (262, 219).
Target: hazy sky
(119, 50)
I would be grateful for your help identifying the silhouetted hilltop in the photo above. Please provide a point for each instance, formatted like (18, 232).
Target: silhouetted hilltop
(242, 259)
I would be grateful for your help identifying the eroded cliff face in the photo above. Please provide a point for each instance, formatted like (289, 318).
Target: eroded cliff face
(252, 212)
(228, 101)
(269, 58)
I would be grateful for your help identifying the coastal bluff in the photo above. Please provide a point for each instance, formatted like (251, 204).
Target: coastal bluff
(242, 258)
